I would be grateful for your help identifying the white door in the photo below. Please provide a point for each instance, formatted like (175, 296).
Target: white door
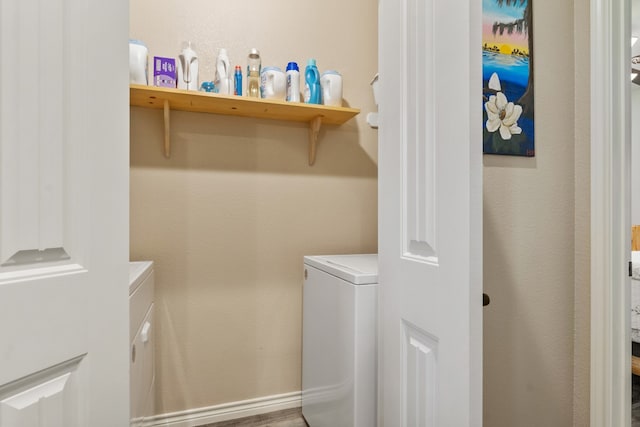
(64, 213)
(430, 217)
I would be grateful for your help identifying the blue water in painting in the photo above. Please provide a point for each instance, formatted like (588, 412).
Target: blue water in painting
(513, 69)
(513, 72)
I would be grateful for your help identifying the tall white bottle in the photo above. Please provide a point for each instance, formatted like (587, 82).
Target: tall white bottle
(293, 82)
(188, 67)
(223, 73)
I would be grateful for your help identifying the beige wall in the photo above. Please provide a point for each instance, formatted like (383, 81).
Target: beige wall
(536, 250)
(228, 218)
(582, 171)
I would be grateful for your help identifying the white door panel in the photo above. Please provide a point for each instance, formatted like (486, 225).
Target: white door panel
(430, 230)
(33, 104)
(46, 399)
(63, 213)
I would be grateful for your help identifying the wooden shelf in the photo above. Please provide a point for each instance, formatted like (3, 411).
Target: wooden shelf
(635, 365)
(202, 102)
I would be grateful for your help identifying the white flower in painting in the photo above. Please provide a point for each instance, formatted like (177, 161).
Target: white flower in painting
(503, 115)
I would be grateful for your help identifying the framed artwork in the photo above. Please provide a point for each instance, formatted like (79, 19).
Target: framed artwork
(507, 77)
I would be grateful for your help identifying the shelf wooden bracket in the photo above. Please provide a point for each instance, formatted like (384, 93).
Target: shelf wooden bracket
(167, 128)
(165, 99)
(314, 128)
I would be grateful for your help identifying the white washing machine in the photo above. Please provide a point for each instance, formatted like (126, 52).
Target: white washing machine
(339, 340)
(141, 329)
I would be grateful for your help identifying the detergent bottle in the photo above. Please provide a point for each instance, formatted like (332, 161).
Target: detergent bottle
(312, 83)
(188, 68)
(223, 73)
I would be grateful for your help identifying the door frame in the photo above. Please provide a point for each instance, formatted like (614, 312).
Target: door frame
(610, 213)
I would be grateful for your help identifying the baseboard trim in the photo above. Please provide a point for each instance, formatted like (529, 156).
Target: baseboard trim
(226, 411)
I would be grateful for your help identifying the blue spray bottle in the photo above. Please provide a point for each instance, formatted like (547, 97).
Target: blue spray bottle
(237, 87)
(312, 83)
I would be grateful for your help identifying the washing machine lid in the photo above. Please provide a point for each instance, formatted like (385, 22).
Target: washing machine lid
(359, 269)
(138, 271)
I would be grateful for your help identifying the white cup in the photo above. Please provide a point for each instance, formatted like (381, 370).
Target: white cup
(331, 84)
(273, 83)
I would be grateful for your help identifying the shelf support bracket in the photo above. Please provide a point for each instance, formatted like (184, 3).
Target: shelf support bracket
(167, 122)
(314, 128)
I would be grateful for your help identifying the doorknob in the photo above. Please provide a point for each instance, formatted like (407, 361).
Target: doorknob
(485, 300)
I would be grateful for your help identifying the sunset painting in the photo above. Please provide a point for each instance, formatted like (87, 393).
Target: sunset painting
(507, 74)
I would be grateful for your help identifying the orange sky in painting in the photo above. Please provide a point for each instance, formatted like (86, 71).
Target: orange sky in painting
(505, 42)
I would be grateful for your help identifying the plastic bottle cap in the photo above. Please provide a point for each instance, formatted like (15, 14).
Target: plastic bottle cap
(223, 51)
(311, 62)
(292, 66)
(254, 53)
(334, 72)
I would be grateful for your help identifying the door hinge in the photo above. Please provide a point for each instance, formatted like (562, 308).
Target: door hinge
(630, 269)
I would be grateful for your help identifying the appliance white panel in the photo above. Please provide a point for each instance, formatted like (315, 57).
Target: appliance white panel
(142, 370)
(359, 269)
(339, 350)
(142, 335)
(141, 299)
(138, 273)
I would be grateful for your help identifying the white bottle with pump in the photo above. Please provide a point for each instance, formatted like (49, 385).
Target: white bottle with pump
(188, 67)
(222, 80)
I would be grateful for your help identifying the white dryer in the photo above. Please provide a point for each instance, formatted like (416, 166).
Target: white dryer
(339, 340)
(141, 329)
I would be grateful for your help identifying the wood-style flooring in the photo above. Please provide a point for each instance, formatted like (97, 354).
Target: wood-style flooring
(285, 418)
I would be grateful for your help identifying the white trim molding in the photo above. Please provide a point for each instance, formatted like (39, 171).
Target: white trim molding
(227, 411)
(610, 221)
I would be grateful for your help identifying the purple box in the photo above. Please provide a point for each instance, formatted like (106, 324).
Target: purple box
(164, 72)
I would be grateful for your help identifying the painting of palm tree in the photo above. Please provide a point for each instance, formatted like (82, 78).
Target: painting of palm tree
(507, 65)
